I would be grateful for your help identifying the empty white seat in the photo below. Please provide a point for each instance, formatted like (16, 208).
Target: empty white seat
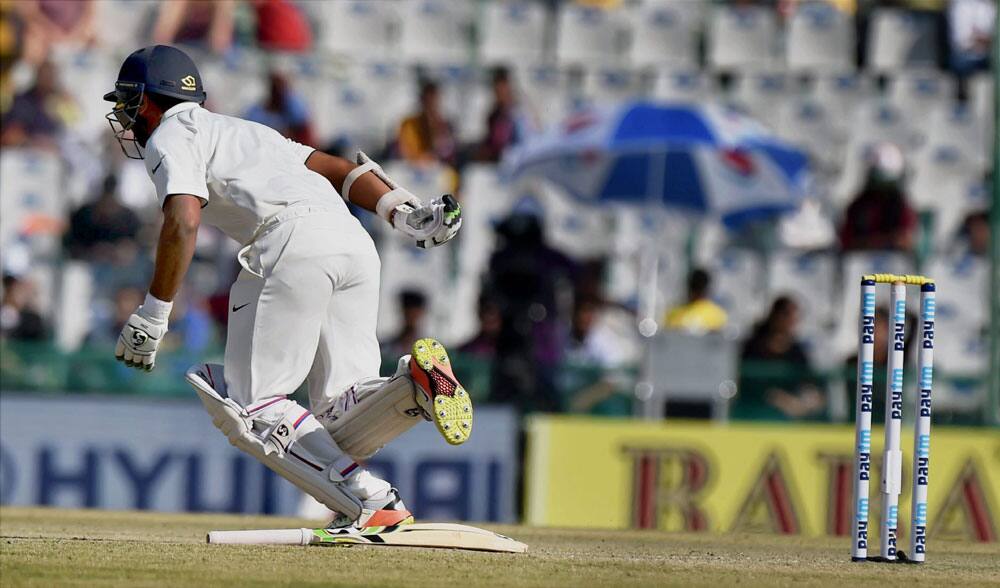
(576, 229)
(899, 38)
(801, 276)
(475, 104)
(123, 23)
(847, 303)
(958, 127)
(982, 101)
(513, 32)
(30, 181)
(820, 37)
(738, 287)
(963, 283)
(761, 94)
(546, 93)
(840, 94)
(663, 33)
(87, 75)
(486, 200)
(918, 94)
(742, 38)
(962, 314)
(360, 29)
(805, 123)
(436, 32)
(587, 37)
(407, 267)
(682, 85)
(609, 86)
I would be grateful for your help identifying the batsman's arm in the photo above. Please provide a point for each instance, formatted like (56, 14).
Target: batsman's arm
(181, 217)
(366, 190)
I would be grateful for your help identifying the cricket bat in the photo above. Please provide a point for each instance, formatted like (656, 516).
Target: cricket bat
(443, 535)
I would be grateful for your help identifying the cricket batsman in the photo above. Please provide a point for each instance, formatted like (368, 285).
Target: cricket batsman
(304, 306)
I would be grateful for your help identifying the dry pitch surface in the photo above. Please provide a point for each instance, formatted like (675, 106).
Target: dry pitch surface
(47, 547)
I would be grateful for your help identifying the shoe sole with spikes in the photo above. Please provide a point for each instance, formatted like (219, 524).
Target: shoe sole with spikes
(451, 406)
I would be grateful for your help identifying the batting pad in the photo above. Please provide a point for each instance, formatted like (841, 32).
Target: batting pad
(372, 414)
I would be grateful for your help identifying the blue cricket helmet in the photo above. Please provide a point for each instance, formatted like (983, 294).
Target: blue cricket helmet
(157, 69)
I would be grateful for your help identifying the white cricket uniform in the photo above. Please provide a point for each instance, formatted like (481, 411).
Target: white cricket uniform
(305, 305)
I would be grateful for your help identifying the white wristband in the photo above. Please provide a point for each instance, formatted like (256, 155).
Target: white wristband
(390, 200)
(156, 309)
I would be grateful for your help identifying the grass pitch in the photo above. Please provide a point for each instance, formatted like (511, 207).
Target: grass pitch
(48, 547)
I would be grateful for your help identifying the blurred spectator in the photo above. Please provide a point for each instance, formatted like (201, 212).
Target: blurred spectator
(413, 309)
(427, 135)
(205, 24)
(975, 233)
(971, 27)
(484, 344)
(284, 110)
(104, 231)
(11, 47)
(505, 123)
(880, 217)
(106, 332)
(38, 116)
(590, 378)
(528, 277)
(19, 320)
(698, 313)
(776, 381)
(281, 26)
(52, 22)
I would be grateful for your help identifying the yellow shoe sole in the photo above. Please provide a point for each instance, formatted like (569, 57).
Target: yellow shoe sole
(452, 406)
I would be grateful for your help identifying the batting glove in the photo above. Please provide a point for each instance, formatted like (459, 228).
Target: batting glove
(430, 224)
(142, 334)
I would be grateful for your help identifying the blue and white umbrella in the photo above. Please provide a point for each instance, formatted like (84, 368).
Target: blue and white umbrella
(702, 159)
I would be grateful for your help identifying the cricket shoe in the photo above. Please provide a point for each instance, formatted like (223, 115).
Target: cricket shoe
(438, 392)
(387, 511)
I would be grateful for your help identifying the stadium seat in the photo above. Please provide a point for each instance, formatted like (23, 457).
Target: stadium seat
(436, 32)
(576, 229)
(217, 76)
(635, 231)
(476, 102)
(797, 275)
(359, 29)
(844, 340)
(820, 38)
(982, 102)
(405, 266)
(663, 34)
(609, 86)
(124, 24)
(512, 33)
(546, 92)
(486, 200)
(761, 94)
(588, 37)
(31, 183)
(962, 314)
(806, 123)
(742, 38)
(682, 85)
(899, 38)
(840, 94)
(738, 286)
(87, 75)
(920, 93)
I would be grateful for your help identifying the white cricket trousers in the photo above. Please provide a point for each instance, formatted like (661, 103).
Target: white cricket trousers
(304, 308)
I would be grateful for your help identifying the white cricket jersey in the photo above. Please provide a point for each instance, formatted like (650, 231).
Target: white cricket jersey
(244, 171)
